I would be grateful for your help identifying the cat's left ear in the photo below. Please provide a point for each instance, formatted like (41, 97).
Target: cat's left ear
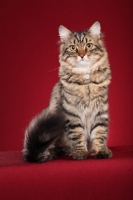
(95, 29)
(64, 33)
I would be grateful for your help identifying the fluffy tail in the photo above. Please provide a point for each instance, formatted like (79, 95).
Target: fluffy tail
(41, 135)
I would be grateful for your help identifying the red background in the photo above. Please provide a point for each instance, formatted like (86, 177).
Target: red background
(29, 55)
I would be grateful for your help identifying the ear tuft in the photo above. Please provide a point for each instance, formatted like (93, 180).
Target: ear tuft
(64, 33)
(95, 29)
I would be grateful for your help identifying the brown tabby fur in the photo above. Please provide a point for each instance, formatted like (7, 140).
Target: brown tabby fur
(76, 121)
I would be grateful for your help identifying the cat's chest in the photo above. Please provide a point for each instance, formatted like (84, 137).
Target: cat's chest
(79, 95)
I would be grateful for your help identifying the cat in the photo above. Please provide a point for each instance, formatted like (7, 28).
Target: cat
(76, 121)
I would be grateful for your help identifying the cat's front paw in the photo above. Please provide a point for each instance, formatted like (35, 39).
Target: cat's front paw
(106, 153)
(80, 155)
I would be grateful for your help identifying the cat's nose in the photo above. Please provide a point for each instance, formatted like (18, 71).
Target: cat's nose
(81, 53)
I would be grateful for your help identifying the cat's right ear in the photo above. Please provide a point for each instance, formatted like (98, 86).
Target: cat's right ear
(95, 29)
(64, 33)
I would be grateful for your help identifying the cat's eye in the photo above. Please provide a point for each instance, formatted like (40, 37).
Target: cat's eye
(89, 45)
(73, 48)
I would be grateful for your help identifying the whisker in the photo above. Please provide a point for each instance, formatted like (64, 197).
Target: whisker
(53, 69)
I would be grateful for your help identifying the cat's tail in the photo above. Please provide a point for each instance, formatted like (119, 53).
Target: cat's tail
(41, 134)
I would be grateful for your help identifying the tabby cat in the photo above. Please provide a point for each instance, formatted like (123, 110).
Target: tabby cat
(76, 121)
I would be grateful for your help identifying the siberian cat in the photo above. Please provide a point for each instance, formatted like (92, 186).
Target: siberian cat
(76, 121)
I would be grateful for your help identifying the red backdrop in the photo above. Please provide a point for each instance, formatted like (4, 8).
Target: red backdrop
(29, 55)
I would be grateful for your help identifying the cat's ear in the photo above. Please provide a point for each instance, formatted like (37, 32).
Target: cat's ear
(64, 33)
(95, 29)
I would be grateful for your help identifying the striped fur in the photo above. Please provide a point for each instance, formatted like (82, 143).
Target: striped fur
(77, 116)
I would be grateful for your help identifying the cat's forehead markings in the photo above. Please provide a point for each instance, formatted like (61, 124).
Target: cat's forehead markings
(79, 36)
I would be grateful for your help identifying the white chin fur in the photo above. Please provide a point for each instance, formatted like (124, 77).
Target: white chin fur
(83, 65)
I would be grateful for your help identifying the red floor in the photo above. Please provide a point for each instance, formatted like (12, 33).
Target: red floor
(67, 179)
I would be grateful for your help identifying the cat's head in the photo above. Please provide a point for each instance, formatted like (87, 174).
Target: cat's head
(80, 51)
